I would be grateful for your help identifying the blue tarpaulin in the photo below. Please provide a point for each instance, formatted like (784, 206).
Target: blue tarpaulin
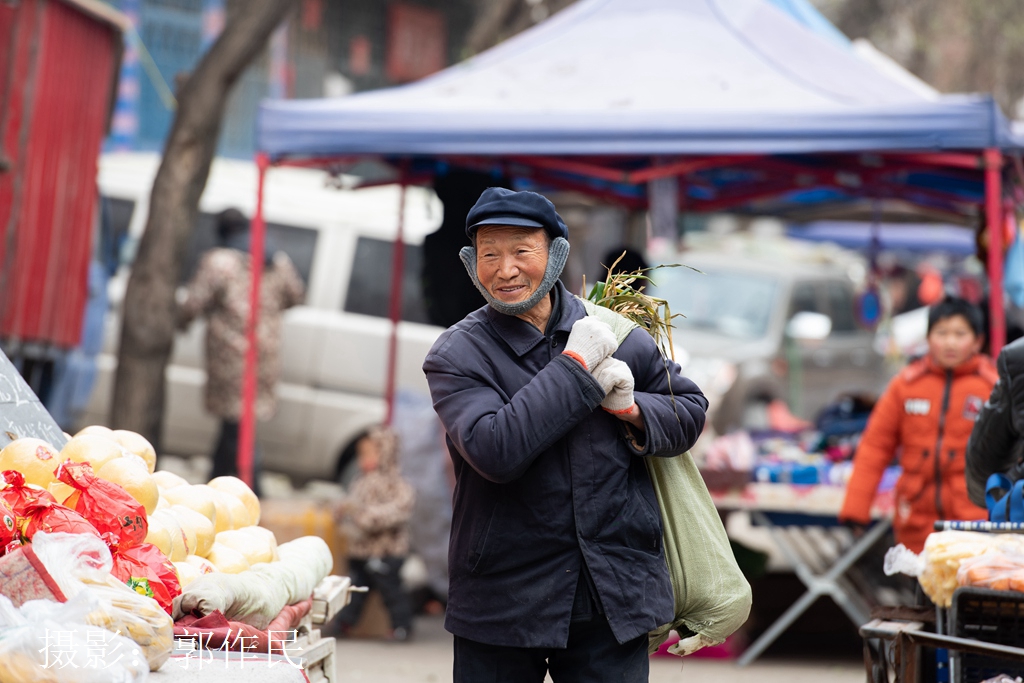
(646, 77)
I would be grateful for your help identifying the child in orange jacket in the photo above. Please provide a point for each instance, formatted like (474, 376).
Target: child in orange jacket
(926, 415)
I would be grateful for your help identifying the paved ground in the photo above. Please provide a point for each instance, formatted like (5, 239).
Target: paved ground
(428, 659)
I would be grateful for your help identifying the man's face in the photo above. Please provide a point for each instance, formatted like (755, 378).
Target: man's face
(510, 261)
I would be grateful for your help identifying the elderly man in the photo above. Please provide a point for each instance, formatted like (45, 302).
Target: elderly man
(555, 559)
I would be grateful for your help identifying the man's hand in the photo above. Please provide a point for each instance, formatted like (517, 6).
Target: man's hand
(616, 379)
(590, 342)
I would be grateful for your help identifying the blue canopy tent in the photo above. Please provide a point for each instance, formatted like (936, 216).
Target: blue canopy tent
(755, 105)
(922, 238)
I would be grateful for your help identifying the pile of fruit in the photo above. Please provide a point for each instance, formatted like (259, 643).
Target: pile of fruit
(163, 533)
(951, 559)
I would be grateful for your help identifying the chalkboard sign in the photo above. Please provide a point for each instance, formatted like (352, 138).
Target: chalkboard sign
(21, 412)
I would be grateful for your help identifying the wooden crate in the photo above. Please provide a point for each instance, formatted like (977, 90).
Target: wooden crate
(318, 654)
(293, 518)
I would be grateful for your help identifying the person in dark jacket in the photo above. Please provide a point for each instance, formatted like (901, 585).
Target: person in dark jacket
(996, 443)
(556, 561)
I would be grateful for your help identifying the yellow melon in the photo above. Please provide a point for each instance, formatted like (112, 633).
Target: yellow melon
(34, 458)
(254, 548)
(239, 489)
(93, 448)
(183, 540)
(168, 480)
(60, 490)
(131, 475)
(137, 444)
(264, 535)
(227, 559)
(199, 524)
(160, 536)
(97, 429)
(195, 498)
(239, 513)
(186, 573)
(179, 546)
(224, 503)
(201, 563)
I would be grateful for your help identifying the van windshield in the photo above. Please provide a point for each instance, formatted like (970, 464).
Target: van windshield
(730, 303)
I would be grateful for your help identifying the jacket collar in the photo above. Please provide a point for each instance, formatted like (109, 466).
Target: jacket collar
(968, 367)
(522, 337)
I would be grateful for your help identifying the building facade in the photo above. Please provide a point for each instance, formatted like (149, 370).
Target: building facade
(325, 48)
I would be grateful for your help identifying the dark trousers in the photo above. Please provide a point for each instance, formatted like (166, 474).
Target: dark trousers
(592, 654)
(225, 455)
(382, 576)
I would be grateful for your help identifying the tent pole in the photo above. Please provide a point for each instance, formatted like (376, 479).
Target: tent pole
(994, 219)
(395, 304)
(247, 430)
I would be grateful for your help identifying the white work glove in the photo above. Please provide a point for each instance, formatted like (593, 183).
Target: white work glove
(616, 379)
(590, 342)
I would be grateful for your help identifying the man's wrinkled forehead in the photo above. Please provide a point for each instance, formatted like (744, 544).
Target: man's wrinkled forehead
(492, 234)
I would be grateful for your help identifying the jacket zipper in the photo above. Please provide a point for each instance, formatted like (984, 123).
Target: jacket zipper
(938, 443)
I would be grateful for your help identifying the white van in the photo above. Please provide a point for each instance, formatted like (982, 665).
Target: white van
(335, 345)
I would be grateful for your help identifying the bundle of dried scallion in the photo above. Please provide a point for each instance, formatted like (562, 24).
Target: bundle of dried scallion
(623, 293)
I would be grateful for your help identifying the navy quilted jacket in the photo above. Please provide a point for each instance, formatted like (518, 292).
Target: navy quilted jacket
(546, 480)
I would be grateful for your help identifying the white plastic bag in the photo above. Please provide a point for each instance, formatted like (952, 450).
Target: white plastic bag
(81, 563)
(937, 566)
(902, 560)
(259, 594)
(49, 642)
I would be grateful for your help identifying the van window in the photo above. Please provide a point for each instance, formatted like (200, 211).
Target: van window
(805, 298)
(840, 303)
(298, 243)
(115, 217)
(369, 289)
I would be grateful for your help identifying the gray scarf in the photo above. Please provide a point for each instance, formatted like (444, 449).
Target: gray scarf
(558, 253)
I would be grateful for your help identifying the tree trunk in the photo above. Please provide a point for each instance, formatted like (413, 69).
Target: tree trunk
(148, 318)
(491, 19)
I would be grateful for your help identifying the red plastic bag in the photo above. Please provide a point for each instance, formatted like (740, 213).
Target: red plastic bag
(43, 515)
(8, 528)
(120, 519)
(17, 495)
(148, 572)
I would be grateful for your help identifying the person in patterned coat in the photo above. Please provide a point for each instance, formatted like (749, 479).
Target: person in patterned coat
(219, 292)
(376, 517)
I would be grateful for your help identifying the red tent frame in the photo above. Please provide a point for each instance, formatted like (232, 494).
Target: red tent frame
(867, 174)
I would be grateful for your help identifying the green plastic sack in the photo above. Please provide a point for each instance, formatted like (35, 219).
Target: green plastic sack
(712, 597)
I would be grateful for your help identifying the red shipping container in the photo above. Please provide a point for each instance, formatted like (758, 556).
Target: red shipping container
(59, 63)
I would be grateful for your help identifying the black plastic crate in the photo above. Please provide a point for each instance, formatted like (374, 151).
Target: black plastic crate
(992, 617)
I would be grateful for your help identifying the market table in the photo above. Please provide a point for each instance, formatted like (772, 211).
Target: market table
(229, 667)
(307, 657)
(802, 521)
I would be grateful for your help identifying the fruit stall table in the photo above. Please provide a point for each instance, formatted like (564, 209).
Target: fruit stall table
(307, 658)
(802, 521)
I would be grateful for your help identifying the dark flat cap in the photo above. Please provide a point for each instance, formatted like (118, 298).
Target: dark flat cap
(498, 206)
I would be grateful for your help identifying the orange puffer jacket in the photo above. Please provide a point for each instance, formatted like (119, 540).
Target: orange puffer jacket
(926, 414)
